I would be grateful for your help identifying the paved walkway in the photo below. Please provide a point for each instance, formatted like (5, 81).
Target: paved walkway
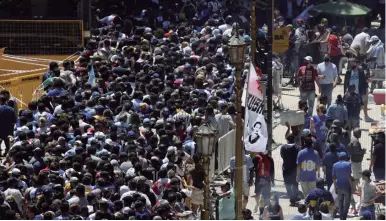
(290, 100)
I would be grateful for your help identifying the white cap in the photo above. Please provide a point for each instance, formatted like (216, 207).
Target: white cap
(16, 172)
(308, 58)
(373, 38)
(100, 135)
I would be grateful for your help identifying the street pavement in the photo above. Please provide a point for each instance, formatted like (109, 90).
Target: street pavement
(290, 98)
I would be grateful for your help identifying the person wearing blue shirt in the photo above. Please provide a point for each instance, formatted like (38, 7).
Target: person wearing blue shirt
(328, 162)
(302, 213)
(334, 137)
(341, 175)
(318, 125)
(58, 88)
(338, 110)
(308, 163)
(8, 120)
(318, 194)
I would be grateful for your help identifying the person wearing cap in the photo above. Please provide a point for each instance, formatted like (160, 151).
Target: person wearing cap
(341, 176)
(226, 203)
(376, 52)
(308, 166)
(369, 193)
(306, 77)
(318, 195)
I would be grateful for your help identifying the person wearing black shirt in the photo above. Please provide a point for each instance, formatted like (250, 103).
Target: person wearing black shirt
(288, 153)
(378, 160)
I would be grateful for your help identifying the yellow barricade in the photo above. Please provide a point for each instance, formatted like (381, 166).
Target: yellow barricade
(23, 87)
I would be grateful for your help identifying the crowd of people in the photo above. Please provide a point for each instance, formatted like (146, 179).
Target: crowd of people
(113, 136)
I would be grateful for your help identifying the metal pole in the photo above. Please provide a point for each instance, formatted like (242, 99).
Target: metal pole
(206, 211)
(253, 31)
(239, 147)
(269, 72)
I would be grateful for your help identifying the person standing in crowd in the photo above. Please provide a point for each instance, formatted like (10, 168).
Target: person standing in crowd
(289, 153)
(341, 176)
(264, 170)
(346, 37)
(369, 193)
(356, 76)
(335, 49)
(361, 40)
(248, 172)
(376, 52)
(338, 111)
(328, 77)
(377, 160)
(308, 165)
(330, 158)
(226, 205)
(306, 77)
(8, 119)
(356, 153)
(319, 127)
(353, 102)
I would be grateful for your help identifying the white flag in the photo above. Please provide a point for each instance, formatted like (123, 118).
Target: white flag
(255, 126)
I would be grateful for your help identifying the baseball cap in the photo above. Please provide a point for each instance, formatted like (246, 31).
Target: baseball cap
(373, 38)
(130, 133)
(342, 154)
(155, 75)
(308, 58)
(15, 172)
(305, 132)
(146, 120)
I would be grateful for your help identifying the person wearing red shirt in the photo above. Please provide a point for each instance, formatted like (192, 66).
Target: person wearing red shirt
(306, 77)
(335, 48)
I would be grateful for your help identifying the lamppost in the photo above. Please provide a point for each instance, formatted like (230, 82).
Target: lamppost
(206, 140)
(237, 49)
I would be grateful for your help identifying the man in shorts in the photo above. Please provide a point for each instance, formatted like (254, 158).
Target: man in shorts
(248, 170)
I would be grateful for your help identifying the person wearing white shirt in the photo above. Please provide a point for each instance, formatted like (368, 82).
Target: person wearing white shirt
(328, 76)
(227, 25)
(361, 40)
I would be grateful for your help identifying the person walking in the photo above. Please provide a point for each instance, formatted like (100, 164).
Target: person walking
(8, 120)
(248, 170)
(319, 127)
(308, 164)
(338, 110)
(357, 153)
(306, 77)
(335, 50)
(369, 193)
(226, 205)
(264, 178)
(328, 77)
(328, 162)
(378, 161)
(356, 76)
(353, 102)
(289, 153)
(376, 53)
(341, 176)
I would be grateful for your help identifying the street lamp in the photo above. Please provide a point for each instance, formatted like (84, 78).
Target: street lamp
(237, 49)
(206, 140)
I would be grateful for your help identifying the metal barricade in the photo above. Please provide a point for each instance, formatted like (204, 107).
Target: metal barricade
(226, 150)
